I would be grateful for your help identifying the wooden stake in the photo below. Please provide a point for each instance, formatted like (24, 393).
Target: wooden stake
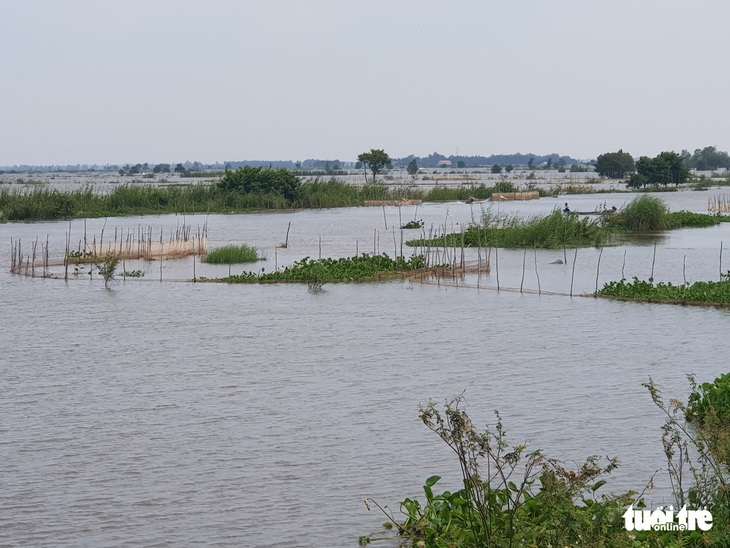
(572, 275)
(524, 258)
(598, 270)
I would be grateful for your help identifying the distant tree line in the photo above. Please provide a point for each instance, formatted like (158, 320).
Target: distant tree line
(706, 159)
(610, 164)
(548, 161)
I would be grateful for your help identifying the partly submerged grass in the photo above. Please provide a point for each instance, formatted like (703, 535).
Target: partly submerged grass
(140, 199)
(233, 254)
(645, 213)
(554, 231)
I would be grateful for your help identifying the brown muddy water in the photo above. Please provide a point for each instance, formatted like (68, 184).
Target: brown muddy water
(170, 413)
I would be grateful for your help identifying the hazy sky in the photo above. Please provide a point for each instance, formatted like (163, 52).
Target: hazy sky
(212, 80)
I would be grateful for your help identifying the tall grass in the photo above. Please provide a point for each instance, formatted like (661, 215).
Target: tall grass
(644, 214)
(134, 199)
(463, 193)
(554, 231)
(233, 254)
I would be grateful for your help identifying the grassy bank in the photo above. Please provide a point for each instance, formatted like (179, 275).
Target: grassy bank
(39, 203)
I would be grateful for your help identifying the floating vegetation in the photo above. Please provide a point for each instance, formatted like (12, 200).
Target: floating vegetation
(698, 293)
(349, 269)
(233, 254)
(558, 231)
(413, 224)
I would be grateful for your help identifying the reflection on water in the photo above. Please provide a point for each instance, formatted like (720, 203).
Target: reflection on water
(174, 413)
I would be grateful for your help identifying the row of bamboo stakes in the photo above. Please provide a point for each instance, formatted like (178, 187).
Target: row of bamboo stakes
(141, 243)
(459, 281)
(719, 204)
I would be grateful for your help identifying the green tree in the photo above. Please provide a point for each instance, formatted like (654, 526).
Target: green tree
(179, 168)
(615, 165)
(496, 168)
(412, 167)
(460, 164)
(257, 180)
(508, 168)
(708, 158)
(375, 160)
(666, 168)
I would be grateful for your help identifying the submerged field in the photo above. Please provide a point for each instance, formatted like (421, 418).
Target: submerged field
(159, 391)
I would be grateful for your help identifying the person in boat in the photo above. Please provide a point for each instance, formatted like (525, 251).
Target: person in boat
(566, 209)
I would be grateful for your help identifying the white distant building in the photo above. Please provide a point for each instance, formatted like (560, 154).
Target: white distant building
(444, 163)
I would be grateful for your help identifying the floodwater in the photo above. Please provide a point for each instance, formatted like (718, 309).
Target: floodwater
(168, 413)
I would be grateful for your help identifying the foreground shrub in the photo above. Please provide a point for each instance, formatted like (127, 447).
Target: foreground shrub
(514, 497)
(511, 496)
(708, 411)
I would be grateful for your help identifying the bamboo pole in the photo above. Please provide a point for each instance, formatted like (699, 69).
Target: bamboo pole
(721, 261)
(537, 275)
(524, 258)
(496, 264)
(598, 270)
(572, 275)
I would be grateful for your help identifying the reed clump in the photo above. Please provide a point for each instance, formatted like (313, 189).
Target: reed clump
(649, 214)
(644, 214)
(233, 254)
(465, 192)
(554, 231)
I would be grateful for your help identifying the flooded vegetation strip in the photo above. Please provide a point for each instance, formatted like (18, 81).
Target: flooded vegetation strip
(697, 294)
(348, 269)
(241, 191)
(565, 229)
(554, 231)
